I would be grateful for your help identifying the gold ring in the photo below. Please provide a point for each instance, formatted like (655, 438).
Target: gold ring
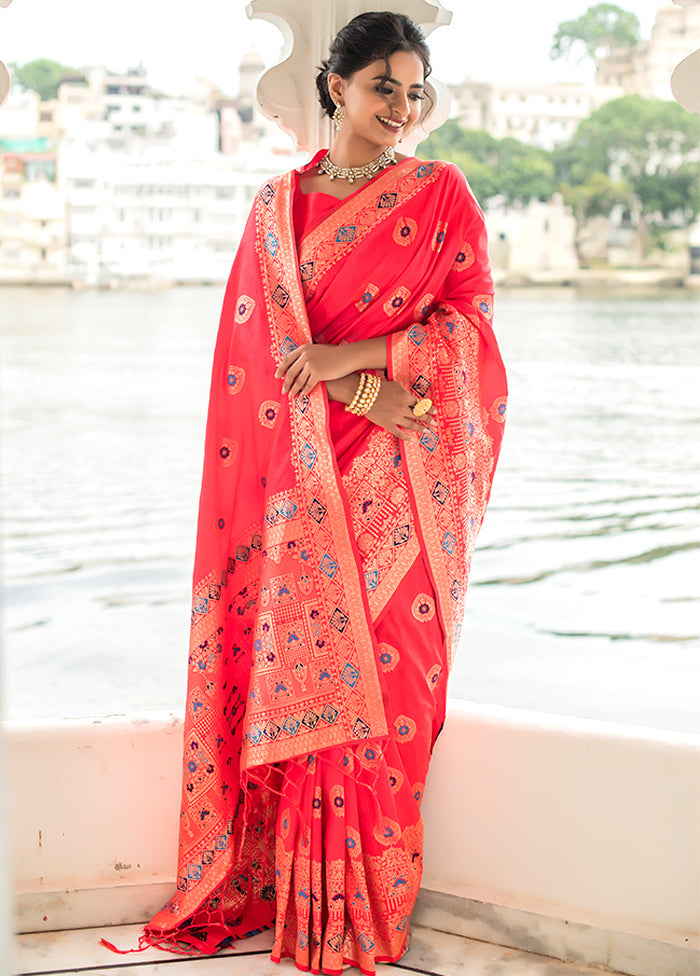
(422, 407)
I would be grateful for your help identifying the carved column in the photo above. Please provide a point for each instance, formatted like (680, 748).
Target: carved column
(685, 80)
(4, 73)
(286, 93)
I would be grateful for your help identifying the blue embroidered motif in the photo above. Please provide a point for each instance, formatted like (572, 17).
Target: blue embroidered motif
(287, 345)
(329, 714)
(449, 542)
(280, 295)
(345, 235)
(417, 334)
(328, 566)
(308, 455)
(349, 675)
(429, 439)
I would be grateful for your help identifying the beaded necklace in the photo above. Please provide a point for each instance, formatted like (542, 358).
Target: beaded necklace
(352, 173)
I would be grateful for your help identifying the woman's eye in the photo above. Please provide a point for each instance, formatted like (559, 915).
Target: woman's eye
(416, 97)
(384, 90)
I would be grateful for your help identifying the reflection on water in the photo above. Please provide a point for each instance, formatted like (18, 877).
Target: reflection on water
(584, 596)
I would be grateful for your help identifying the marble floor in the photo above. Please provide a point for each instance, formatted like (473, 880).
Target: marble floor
(76, 951)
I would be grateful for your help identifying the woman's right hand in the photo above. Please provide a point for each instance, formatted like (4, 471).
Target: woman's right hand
(393, 410)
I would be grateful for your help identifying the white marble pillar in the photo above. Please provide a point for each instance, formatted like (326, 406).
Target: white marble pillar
(6, 913)
(685, 80)
(286, 93)
(4, 73)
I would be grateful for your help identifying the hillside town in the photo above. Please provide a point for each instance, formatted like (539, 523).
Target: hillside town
(114, 184)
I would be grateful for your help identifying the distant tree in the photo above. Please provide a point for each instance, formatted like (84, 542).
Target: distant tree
(643, 153)
(596, 33)
(494, 167)
(597, 196)
(44, 77)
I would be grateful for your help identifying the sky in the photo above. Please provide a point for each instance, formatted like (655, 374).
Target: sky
(178, 41)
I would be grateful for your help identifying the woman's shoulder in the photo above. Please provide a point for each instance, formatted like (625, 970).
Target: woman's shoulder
(445, 171)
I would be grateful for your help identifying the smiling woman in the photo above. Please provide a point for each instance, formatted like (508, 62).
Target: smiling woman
(355, 419)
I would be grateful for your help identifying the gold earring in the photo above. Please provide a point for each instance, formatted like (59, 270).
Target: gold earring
(338, 117)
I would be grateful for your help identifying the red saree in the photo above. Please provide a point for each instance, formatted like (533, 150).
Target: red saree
(330, 573)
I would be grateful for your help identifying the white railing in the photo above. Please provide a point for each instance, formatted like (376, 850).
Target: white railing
(583, 833)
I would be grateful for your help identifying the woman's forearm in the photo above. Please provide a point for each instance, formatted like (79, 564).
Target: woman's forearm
(367, 353)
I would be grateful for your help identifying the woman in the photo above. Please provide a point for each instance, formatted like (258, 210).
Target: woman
(333, 543)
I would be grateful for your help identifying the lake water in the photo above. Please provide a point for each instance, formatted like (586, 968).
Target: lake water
(585, 589)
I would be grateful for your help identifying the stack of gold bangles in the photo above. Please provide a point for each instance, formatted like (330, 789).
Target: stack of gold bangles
(367, 392)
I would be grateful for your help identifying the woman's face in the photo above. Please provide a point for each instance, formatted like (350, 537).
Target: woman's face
(381, 107)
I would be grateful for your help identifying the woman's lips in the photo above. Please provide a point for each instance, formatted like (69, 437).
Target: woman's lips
(394, 126)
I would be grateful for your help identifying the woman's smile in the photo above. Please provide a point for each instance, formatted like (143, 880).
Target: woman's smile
(393, 125)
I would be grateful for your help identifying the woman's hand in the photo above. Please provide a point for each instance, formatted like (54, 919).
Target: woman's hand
(393, 410)
(312, 363)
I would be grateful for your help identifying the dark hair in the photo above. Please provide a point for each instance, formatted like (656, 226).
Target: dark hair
(369, 37)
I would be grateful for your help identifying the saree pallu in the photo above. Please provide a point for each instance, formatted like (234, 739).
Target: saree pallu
(330, 573)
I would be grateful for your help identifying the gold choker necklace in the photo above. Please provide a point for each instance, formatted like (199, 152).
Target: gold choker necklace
(352, 173)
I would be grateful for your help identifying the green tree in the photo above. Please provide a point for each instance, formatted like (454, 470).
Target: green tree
(596, 196)
(494, 167)
(44, 76)
(596, 33)
(649, 145)
(641, 153)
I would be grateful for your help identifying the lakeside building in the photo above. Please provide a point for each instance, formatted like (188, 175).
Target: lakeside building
(543, 115)
(646, 68)
(32, 217)
(152, 218)
(145, 189)
(546, 115)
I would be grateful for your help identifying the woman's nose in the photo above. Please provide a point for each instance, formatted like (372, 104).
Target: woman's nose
(401, 104)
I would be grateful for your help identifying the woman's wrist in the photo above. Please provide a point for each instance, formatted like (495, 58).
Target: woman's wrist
(343, 389)
(368, 353)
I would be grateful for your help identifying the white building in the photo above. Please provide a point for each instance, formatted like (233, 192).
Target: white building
(534, 243)
(646, 69)
(32, 226)
(154, 217)
(149, 189)
(542, 115)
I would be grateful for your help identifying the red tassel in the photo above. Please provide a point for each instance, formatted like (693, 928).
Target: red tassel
(123, 952)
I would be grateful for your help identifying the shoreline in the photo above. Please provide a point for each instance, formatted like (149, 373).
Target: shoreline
(624, 279)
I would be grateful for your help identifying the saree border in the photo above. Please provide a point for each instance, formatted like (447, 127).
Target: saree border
(339, 589)
(429, 464)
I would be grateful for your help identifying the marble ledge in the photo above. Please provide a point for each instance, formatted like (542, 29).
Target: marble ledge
(555, 938)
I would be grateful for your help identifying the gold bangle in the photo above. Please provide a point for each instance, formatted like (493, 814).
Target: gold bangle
(359, 401)
(358, 393)
(374, 393)
(369, 396)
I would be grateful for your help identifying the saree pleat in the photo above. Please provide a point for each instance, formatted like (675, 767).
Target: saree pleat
(330, 572)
